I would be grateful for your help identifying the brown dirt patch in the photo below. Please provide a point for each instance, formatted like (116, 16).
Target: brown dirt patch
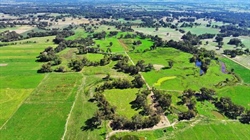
(158, 67)
(23, 29)
(3, 65)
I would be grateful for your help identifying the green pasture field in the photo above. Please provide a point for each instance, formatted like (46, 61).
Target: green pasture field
(187, 74)
(115, 48)
(102, 71)
(239, 94)
(121, 99)
(201, 30)
(146, 44)
(79, 33)
(84, 110)
(238, 69)
(19, 77)
(162, 32)
(218, 23)
(196, 130)
(43, 114)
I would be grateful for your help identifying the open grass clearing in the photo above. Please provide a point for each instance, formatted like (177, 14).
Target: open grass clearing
(121, 99)
(116, 47)
(79, 33)
(146, 44)
(102, 71)
(201, 30)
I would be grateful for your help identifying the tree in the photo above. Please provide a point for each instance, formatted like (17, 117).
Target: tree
(218, 38)
(245, 118)
(138, 81)
(110, 44)
(235, 41)
(206, 94)
(170, 63)
(45, 68)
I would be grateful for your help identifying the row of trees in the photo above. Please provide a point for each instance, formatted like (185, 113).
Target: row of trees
(137, 82)
(122, 65)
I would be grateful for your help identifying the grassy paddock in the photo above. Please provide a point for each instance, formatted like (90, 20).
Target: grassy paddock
(121, 99)
(19, 77)
(43, 115)
(83, 111)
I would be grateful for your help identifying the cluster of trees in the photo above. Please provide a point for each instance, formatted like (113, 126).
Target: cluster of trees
(206, 36)
(78, 64)
(136, 122)
(188, 99)
(235, 41)
(48, 33)
(140, 102)
(233, 30)
(5, 25)
(146, 119)
(8, 36)
(48, 55)
(162, 100)
(137, 82)
(234, 53)
(122, 65)
(61, 35)
(101, 35)
(85, 50)
(191, 25)
(224, 104)
(229, 109)
(46, 68)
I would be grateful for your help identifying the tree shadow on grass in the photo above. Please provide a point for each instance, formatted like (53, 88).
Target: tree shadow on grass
(166, 68)
(91, 124)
